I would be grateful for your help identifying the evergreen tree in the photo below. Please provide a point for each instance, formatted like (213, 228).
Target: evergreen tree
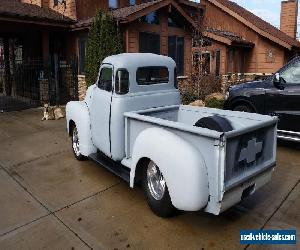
(104, 39)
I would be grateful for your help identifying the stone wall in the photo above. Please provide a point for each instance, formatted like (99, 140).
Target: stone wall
(82, 87)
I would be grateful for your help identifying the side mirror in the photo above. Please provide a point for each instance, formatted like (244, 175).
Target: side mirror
(277, 78)
(278, 81)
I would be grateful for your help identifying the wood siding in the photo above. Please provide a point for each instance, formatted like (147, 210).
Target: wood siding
(257, 59)
(132, 37)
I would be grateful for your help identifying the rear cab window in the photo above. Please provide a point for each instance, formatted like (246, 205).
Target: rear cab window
(152, 75)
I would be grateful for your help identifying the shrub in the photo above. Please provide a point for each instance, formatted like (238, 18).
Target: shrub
(215, 100)
(194, 88)
(104, 40)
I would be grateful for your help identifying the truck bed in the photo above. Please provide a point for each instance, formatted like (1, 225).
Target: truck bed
(222, 152)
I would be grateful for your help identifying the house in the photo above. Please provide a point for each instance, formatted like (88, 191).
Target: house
(237, 41)
(40, 39)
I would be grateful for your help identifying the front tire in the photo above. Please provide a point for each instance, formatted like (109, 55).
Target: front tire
(156, 191)
(75, 145)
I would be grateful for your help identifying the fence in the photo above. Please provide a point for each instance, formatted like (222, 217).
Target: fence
(32, 83)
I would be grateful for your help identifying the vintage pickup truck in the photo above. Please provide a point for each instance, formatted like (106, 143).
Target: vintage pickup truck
(186, 158)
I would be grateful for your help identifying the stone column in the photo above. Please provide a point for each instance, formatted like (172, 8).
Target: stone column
(82, 87)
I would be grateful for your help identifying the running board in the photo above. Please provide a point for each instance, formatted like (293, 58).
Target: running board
(111, 165)
(288, 135)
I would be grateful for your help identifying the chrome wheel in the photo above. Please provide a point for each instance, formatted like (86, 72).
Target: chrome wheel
(75, 142)
(156, 181)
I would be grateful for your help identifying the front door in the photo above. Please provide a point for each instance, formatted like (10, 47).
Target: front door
(100, 110)
(284, 100)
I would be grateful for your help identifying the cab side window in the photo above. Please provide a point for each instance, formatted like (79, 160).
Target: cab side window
(291, 75)
(105, 79)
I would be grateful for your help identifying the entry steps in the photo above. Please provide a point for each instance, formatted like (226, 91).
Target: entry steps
(115, 167)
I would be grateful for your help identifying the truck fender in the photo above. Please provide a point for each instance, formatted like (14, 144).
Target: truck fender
(181, 164)
(78, 113)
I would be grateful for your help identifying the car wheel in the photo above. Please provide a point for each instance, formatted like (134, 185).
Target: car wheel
(243, 108)
(75, 145)
(156, 191)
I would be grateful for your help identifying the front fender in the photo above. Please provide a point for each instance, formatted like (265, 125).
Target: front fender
(78, 113)
(181, 164)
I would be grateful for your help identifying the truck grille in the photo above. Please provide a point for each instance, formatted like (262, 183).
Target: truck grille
(249, 153)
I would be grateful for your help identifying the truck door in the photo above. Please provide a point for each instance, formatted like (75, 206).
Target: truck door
(283, 99)
(101, 108)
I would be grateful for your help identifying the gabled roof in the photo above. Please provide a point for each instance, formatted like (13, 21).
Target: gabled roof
(123, 13)
(131, 13)
(256, 23)
(24, 11)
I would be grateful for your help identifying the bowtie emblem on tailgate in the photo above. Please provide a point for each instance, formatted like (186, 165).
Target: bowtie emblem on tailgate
(249, 153)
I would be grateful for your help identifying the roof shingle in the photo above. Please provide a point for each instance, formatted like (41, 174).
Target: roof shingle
(122, 13)
(14, 8)
(259, 23)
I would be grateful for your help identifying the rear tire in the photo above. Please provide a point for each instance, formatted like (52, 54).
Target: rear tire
(75, 145)
(243, 108)
(156, 191)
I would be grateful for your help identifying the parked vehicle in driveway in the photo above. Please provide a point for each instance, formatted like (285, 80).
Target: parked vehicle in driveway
(186, 158)
(278, 95)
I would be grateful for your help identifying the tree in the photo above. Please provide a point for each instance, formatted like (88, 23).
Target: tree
(104, 39)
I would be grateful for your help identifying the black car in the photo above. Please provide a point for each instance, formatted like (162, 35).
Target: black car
(278, 95)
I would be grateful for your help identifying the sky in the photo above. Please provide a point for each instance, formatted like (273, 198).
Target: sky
(268, 10)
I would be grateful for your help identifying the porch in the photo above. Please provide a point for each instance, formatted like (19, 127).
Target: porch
(36, 62)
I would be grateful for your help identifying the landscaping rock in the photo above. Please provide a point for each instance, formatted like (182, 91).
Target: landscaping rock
(197, 103)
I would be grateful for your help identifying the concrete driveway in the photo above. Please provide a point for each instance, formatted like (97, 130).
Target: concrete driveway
(48, 200)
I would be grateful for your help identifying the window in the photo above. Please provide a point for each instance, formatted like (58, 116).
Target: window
(174, 20)
(105, 79)
(56, 2)
(132, 2)
(206, 63)
(176, 51)
(113, 4)
(82, 53)
(152, 75)
(230, 56)
(149, 43)
(218, 62)
(292, 73)
(151, 18)
(122, 82)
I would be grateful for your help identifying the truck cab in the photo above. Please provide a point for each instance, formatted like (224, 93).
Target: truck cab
(128, 83)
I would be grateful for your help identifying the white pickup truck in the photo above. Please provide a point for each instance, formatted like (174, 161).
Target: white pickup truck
(187, 158)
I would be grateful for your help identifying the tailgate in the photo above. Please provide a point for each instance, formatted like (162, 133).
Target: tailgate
(249, 153)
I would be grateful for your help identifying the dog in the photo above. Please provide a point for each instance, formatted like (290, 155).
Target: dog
(52, 113)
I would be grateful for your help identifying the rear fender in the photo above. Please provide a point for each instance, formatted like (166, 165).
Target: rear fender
(78, 113)
(181, 164)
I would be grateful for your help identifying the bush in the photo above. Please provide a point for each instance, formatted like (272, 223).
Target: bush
(188, 97)
(194, 88)
(215, 100)
(104, 40)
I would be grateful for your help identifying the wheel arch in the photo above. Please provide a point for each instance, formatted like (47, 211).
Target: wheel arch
(185, 172)
(77, 114)
(71, 127)
(241, 101)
